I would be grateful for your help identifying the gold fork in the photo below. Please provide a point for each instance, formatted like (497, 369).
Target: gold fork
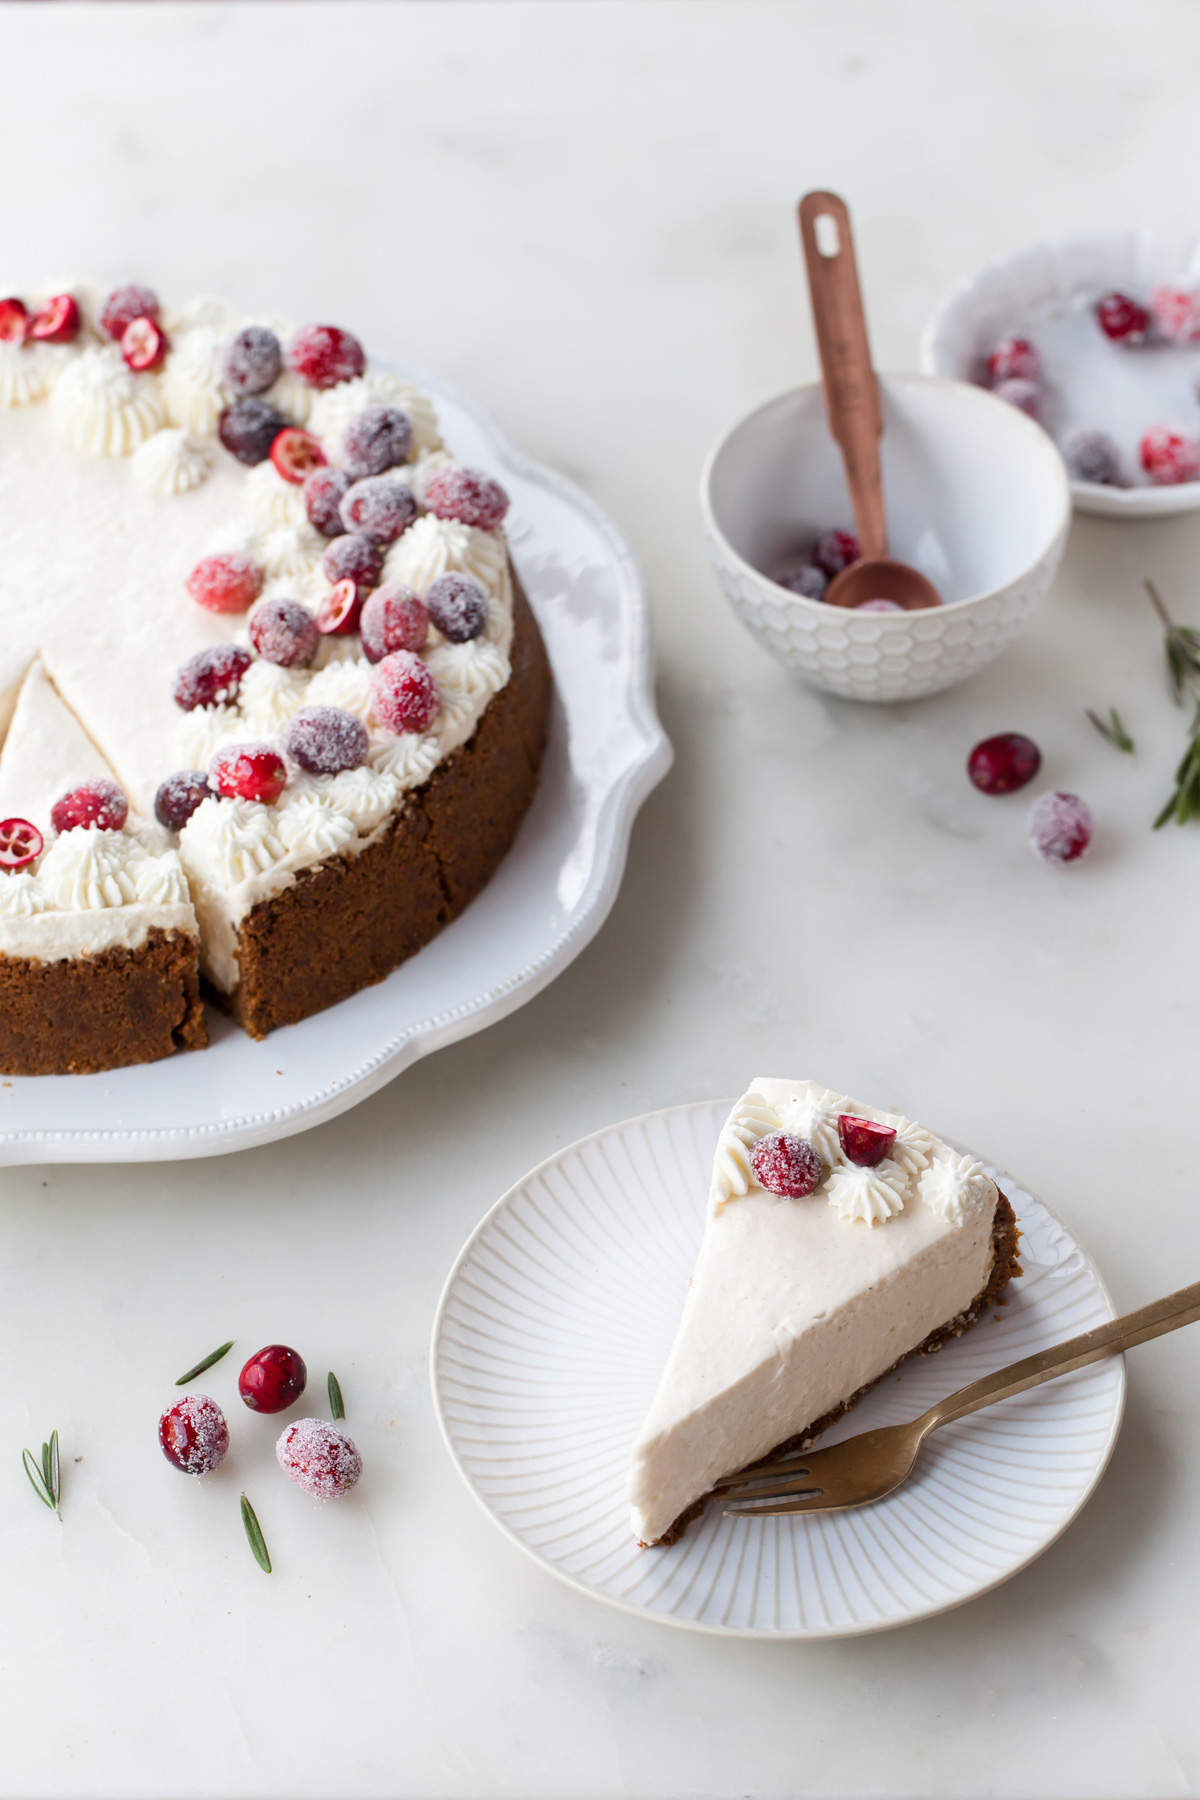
(865, 1468)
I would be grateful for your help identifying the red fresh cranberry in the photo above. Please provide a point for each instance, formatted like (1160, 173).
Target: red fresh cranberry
(1092, 456)
(393, 619)
(355, 558)
(296, 454)
(284, 633)
(467, 495)
(100, 803)
(14, 321)
(1014, 359)
(1177, 313)
(325, 740)
(56, 321)
(835, 551)
(1170, 455)
(124, 305)
(863, 1142)
(225, 583)
(1122, 319)
(211, 677)
(143, 345)
(194, 1435)
(323, 355)
(323, 492)
(806, 580)
(20, 843)
(1002, 764)
(380, 507)
(786, 1165)
(380, 438)
(403, 693)
(248, 428)
(339, 612)
(179, 796)
(251, 361)
(248, 772)
(1025, 395)
(1060, 827)
(318, 1458)
(273, 1379)
(458, 606)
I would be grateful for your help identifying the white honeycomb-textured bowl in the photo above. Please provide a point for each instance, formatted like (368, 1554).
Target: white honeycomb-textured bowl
(977, 498)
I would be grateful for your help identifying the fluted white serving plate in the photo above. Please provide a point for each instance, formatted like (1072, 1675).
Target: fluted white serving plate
(552, 1333)
(549, 897)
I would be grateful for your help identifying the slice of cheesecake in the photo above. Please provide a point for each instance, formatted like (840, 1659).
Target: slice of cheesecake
(872, 1245)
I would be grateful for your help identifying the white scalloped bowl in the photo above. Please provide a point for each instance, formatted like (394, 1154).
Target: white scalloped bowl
(1098, 384)
(977, 498)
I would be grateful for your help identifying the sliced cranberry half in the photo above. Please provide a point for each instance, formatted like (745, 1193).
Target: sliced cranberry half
(56, 321)
(273, 1379)
(296, 454)
(20, 843)
(1004, 763)
(143, 345)
(863, 1142)
(338, 613)
(14, 321)
(100, 803)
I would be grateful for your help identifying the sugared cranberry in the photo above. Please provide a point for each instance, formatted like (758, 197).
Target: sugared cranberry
(806, 579)
(100, 803)
(179, 796)
(353, 557)
(296, 454)
(251, 361)
(284, 633)
(863, 1141)
(339, 612)
(323, 355)
(124, 305)
(323, 492)
(273, 1379)
(392, 619)
(211, 677)
(14, 320)
(380, 507)
(879, 606)
(1170, 455)
(143, 345)
(404, 694)
(56, 320)
(1177, 313)
(1122, 319)
(467, 495)
(248, 428)
(325, 740)
(248, 772)
(379, 438)
(786, 1165)
(1014, 359)
(194, 1435)
(1060, 827)
(457, 605)
(1025, 395)
(835, 551)
(20, 844)
(228, 582)
(1004, 763)
(318, 1458)
(1092, 456)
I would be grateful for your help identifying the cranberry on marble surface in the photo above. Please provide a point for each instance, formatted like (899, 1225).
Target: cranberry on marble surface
(252, 360)
(786, 1165)
(20, 844)
(273, 1379)
(404, 694)
(323, 355)
(393, 618)
(1170, 455)
(318, 1458)
(1025, 395)
(457, 605)
(1122, 319)
(1060, 827)
(14, 320)
(228, 582)
(805, 579)
(379, 438)
(56, 320)
(1014, 358)
(863, 1141)
(284, 633)
(1092, 456)
(355, 558)
(193, 1435)
(296, 454)
(835, 551)
(467, 495)
(211, 677)
(132, 300)
(379, 507)
(1177, 313)
(179, 796)
(100, 803)
(339, 612)
(1004, 763)
(143, 345)
(326, 739)
(248, 772)
(248, 428)
(323, 493)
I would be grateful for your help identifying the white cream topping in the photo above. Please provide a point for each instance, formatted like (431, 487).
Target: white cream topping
(874, 1195)
(750, 1120)
(192, 390)
(101, 407)
(173, 461)
(333, 409)
(955, 1187)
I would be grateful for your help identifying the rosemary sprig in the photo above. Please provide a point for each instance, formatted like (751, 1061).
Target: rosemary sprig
(255, 1538)
(1112, 729)
(206, 1362)
(1182, 647)
(337, 1405)
(46, 1481)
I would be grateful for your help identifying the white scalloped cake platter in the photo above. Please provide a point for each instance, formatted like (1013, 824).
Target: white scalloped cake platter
(549, 897)
(552, 1333)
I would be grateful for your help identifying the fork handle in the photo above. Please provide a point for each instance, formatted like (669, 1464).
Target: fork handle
(1160, 1316)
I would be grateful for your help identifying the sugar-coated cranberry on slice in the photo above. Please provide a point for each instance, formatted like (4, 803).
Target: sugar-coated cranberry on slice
(323, 493)
(323, 355)
(252, 360)
(1176, 311)
(1170, 455)
(284, 633)
(227, 582)
(56, 320)
(1092, 456)
(14, 320)
(353, 557)
(1122, 319)
(248, 428)
(380, 507)
(1012, 359)
(404, 695)
(1004, 763)
(273, 1379)
(179, 796)
(339, 612)
(20, 844)
(1060, 827)
(467, 495)
(100, 803)
(457, 605)
(143, 345)
(318, 1458)
(393, 618)
(806, 580)
(835, 551)
(211, 677)
(248, 772)
(863, 1141)
(1025, 395)
(193, 1435)
(296, 454)
(132, 300)
(377, 439)
(325, 740)
(786, 1165)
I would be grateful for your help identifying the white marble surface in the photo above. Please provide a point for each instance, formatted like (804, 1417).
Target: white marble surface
(581, 212)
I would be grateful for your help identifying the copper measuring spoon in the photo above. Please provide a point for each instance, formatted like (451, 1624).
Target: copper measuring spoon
(852, 407)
